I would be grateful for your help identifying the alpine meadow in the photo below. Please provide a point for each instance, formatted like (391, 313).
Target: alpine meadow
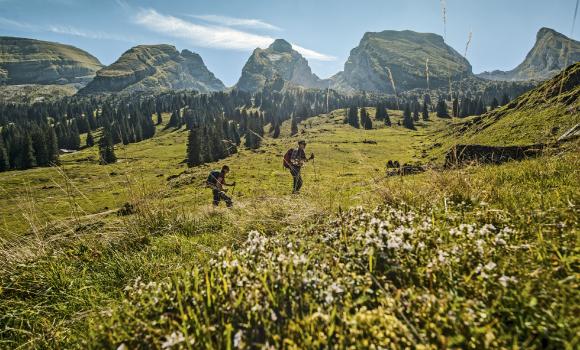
(403, 202)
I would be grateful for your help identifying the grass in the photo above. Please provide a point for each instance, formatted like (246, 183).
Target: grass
(312, 273)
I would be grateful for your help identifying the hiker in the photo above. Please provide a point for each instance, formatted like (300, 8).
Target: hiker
(216, 181)
(294, 159)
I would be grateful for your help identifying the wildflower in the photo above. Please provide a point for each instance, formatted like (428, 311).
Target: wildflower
(490, 266)
(238, 338)
(173, 339)
(505, 280)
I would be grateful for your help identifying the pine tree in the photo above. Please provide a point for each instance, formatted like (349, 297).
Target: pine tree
(387, 118)
(159, 118)
(4, 163)
(416, 111)
(193, 147)
(293, 127)
(455, 106)
(366, 120)
(52, 146)
(505, 100)
(106, 147)
(276, 133)
(407, 118)
(39, 144)
(425, 111)
(90, 139)
(28, 157)
(75, 136)
(494, 104)
(442, 109)
(380, 112)
(353, 117)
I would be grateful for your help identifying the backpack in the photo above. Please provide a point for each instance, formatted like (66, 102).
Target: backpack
(212, 178)
(287, 163)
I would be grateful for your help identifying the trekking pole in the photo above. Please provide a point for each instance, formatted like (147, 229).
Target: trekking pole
(315, 172)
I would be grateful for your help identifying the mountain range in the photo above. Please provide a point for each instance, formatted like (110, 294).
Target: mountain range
(382, 62)
(551, 53)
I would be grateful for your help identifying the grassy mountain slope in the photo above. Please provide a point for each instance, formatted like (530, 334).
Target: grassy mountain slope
(29, 61)
(540, 115)
(480, 257)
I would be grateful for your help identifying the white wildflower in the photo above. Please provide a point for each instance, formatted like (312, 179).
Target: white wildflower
(490, 266)
(238, 338)
(173, 339)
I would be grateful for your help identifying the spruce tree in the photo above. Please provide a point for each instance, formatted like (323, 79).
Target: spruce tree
(75, 136)
(353, 117)
(505, 100)
(407, 118)
(159, 118)
(40, 150)
(455, 106)
(442, 109)
(416, 111)
(494, 104)
(293, 127)
(4, 163)
(28, 157)
(276, 133)
(425, 111)
(90, 139)
(52, 146)
(387, 118)
(380, 112)
(193, 147)
(106, 147)
(365, 119)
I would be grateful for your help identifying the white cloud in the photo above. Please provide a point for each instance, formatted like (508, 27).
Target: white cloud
(236, 22)
(58, 29)
(9, 23)
(69, 30)
(212, 35)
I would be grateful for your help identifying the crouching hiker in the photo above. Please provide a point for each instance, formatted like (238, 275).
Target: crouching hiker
(216, 181)
(294, 159)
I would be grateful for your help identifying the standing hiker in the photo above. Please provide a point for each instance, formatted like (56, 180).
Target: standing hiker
(294, 159)
(216, 181)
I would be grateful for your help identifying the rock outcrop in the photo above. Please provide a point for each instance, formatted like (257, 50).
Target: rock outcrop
(155, 67)
(279, 60)
(408, 55)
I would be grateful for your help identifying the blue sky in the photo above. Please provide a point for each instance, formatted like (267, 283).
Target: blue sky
(224, 32)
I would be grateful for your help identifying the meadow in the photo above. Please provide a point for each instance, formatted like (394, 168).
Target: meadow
(476, 257)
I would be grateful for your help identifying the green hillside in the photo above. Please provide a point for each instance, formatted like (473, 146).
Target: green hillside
(403, 269)
(540, 115)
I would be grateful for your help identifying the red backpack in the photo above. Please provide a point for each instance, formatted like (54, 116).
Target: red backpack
(288, 158)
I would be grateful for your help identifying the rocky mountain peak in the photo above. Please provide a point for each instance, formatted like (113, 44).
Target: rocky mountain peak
(281, 45)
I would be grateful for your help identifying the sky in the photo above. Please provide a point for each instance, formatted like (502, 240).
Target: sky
(225, 32)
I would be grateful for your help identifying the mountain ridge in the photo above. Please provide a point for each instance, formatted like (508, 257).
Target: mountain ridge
(552, 52)
(279, 60)
(408, 55)
(32, 61)
(152, 67)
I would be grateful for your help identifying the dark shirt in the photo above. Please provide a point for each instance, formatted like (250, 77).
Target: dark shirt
(298, 158)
